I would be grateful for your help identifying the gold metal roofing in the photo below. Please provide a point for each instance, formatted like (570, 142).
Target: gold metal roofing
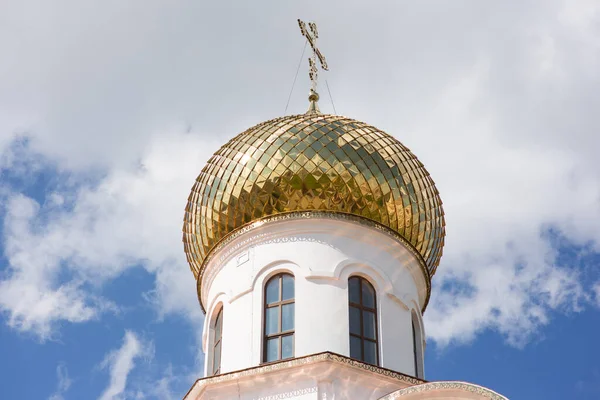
(313, 162)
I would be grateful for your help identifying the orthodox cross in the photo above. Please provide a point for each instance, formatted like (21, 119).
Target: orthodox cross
(312, 37)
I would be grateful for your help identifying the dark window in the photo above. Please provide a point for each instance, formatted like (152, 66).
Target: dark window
(216, 370)
(416, 357)
(279, 318)
(417, 347)
(363, 320)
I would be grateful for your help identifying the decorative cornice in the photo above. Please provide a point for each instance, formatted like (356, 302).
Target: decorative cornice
(311, 359)
(340, 216)
(445, 385)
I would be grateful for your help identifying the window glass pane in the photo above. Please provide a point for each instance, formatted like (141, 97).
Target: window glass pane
(368, 295)
(272, 349)
(414, 341)
(369, 324)
(272, 320)
(355, 320)
(273, 290)
(217, 358)
(288, 287)
(354, 290)
(218, 326)
(287, 346)
(370, 352)
(287, 317)
(355, 351)
(415, 353)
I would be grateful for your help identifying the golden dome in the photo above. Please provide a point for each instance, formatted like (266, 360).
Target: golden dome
(314, 162)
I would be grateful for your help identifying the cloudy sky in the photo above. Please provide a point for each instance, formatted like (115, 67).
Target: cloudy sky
(108, 111)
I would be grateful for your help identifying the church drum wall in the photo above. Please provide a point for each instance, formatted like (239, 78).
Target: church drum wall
(321, 254)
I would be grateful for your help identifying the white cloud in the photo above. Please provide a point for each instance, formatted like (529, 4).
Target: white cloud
(131, 217)
(120, 363)
(597, 293)
(169, 382)
(29, 296)
(63, 384)
(499, 103)
(162, 388)
(499, 201)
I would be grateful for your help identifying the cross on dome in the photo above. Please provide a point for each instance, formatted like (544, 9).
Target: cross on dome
(312, 37)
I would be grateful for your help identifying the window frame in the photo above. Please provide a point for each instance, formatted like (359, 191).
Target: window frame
(280, 334)
(218, 322)
(362, 309)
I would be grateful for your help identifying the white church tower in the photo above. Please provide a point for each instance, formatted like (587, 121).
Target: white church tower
(313, 239)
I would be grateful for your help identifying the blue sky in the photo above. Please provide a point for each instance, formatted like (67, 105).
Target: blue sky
(109, 111)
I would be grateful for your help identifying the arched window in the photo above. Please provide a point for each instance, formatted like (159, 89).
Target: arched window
(417, 346)
(279, 318)
(216, 356)
(363, 320)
